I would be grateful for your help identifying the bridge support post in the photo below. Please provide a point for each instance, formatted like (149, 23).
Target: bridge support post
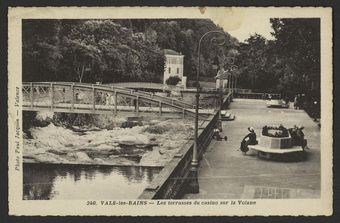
(93, 98)
(51, 95)
(137, 106)
(72, 101)
(115, 101)
(31, 94)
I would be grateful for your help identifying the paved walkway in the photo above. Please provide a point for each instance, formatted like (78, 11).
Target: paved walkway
(225, 173)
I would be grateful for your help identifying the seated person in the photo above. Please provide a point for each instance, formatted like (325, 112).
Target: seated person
(284, 132)
(218, 135)
(298, 137)
(252, 136)
(265, 130)
(301, 138)
(293, 134)
(249, 139)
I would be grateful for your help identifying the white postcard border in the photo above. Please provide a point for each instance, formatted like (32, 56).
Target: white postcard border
(17, 206)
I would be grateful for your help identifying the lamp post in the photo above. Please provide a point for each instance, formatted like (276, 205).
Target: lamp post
(194, 187)
(234, 77)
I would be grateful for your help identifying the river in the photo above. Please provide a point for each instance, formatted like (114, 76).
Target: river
(77, 182)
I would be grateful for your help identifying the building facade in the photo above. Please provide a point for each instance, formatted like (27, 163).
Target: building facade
(173, 66)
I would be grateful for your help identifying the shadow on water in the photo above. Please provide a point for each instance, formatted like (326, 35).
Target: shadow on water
(56, 181)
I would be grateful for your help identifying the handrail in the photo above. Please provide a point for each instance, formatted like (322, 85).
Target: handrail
(153, 95)
(172, 101)
(94, 88)
(141, 85)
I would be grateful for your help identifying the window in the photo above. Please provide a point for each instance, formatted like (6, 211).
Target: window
(177, 70)
(169, 70)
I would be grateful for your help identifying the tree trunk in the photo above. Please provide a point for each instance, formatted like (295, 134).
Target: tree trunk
(81, 75)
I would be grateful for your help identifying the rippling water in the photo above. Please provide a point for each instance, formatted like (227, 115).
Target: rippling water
(72, 182)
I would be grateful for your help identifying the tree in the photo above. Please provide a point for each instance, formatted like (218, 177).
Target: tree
(252, 62)
(41, 49)
(85, 56)
(289, 64)
(173, 80)
(298, 44)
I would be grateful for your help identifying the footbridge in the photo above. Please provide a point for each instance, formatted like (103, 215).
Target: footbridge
(100, 99)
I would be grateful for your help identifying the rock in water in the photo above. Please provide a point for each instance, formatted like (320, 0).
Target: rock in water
(130, 124)
(80, 157)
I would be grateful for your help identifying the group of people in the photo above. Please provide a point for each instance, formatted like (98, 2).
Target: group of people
(249, 139)
(298, 137)
(282, 131)
(101, 98)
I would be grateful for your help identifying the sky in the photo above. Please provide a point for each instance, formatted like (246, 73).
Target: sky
(261, 26)
(244, 22)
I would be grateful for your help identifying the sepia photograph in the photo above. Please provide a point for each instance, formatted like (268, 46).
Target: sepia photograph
(180, 111)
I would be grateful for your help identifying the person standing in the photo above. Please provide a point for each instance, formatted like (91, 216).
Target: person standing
(297, 101)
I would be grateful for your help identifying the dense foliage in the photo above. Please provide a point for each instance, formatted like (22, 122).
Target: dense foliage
(114, 50)
(132, 50)
(289, 64)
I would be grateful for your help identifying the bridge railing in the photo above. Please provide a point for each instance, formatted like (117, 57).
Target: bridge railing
(82, 98)
(250, 95)
(169, 100)
(120, 88)
(141, 85)
(147, 85)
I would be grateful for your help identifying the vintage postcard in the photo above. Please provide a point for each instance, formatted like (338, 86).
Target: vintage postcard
(170, 111)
